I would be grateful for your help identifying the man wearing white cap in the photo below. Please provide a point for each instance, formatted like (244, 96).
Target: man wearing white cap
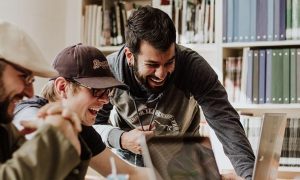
(54, 152)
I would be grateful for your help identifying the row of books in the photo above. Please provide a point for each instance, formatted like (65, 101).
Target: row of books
(105, 27)
(260, 20)
(264, 76)
(290, 153)
(194, 19)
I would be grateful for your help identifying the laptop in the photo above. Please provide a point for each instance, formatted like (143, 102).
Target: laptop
(192, 158)
(179, 157)
(270, 145)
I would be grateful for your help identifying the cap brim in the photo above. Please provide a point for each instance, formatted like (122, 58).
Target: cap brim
(18, 48)
(102, 82)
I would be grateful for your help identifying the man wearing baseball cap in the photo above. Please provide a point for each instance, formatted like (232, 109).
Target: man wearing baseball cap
(54, 152)
(84, 84)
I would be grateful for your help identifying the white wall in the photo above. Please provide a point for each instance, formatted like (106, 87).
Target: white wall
(53, 24)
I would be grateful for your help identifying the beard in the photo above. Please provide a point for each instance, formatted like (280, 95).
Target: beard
(143, 81)
(5, 117)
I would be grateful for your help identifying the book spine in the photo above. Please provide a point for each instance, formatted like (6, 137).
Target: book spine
(249, 77)
(224, 32)
(298, 76)
(286, 76)
(293, 75)
(262, 20)
(255, 77)
(282, 23)
(270, 20)
(262, 76)
(269, 58)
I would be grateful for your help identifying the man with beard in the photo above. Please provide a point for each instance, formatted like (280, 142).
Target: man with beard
(168, 83)
(55, 150)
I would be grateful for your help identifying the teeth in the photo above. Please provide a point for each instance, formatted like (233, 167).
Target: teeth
(94, 108)
(158, 81)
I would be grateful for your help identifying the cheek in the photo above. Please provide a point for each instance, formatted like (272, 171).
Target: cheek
(171, 68)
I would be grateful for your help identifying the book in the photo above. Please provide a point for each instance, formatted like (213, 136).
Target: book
(262, 76)
(293, 75)
(224, 21)
(270, 26)
(269, 80)
(249, 96)
(253, 20)
(243, 24)
(230, 22)
(261, 20)
(282, 20)
(298, 75)
(276, 19)
(255, 77)
(286, 76)
(289, 20)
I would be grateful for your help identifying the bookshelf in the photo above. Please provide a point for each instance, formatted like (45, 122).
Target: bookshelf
(215, 52)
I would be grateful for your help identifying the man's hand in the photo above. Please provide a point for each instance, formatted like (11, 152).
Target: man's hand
(62, 125)
(58, 108)
(231, 176)
(131, 140)
(66, 121)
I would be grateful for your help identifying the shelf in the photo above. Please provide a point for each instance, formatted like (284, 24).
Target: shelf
(201, 47)
(265, 106)
(288, 172)
(109, 48)
(289, 169)
(261, 44)
(196, 47)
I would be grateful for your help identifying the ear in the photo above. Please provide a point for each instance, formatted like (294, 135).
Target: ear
(129, 57)
(61, 87)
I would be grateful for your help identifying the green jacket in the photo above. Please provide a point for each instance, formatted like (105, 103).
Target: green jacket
(49, 155)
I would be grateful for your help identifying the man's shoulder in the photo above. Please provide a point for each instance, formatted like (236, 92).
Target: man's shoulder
(35, 101)
(186, 54)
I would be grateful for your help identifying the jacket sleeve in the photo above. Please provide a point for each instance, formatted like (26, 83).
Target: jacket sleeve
(49, 155)
(110, 134)
(201, 80)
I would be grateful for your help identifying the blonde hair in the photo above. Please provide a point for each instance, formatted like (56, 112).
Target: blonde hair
(49, 92)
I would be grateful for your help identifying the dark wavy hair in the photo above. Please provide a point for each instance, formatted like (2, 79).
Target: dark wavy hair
(151, 25)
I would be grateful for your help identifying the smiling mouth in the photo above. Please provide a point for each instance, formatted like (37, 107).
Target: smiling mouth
(157, 82)
(94, 110)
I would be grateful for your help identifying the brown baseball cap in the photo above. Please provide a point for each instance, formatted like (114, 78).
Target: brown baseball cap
(86, 65)
(18, 48)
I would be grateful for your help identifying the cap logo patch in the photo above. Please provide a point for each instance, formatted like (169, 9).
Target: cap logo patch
(98, 64)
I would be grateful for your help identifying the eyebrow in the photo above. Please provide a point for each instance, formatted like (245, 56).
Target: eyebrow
(152, 61)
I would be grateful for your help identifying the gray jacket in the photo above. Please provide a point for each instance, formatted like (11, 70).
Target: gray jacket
(193, 83)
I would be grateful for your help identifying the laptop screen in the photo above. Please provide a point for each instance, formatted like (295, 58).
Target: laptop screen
(270, 145)
(174, 157)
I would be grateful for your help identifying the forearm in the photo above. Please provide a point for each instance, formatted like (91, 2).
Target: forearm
(110, 135)
(224, 120)
(101, 163)
(48, 155)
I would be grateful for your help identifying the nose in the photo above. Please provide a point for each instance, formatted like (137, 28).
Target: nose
(161, 72)
(28, 90)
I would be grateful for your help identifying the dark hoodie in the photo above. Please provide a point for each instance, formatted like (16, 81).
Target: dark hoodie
(192, 84)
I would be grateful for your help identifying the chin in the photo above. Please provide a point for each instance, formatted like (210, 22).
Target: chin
(89, 121)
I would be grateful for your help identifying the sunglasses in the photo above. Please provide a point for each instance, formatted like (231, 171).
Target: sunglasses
(98, 93)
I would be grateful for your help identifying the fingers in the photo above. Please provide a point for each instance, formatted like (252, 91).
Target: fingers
(50, 108)
(58, 108)
(74, 119)
(29, 126)
(146, 128)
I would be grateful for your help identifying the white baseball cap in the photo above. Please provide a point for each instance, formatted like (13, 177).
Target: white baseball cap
(18, 48)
